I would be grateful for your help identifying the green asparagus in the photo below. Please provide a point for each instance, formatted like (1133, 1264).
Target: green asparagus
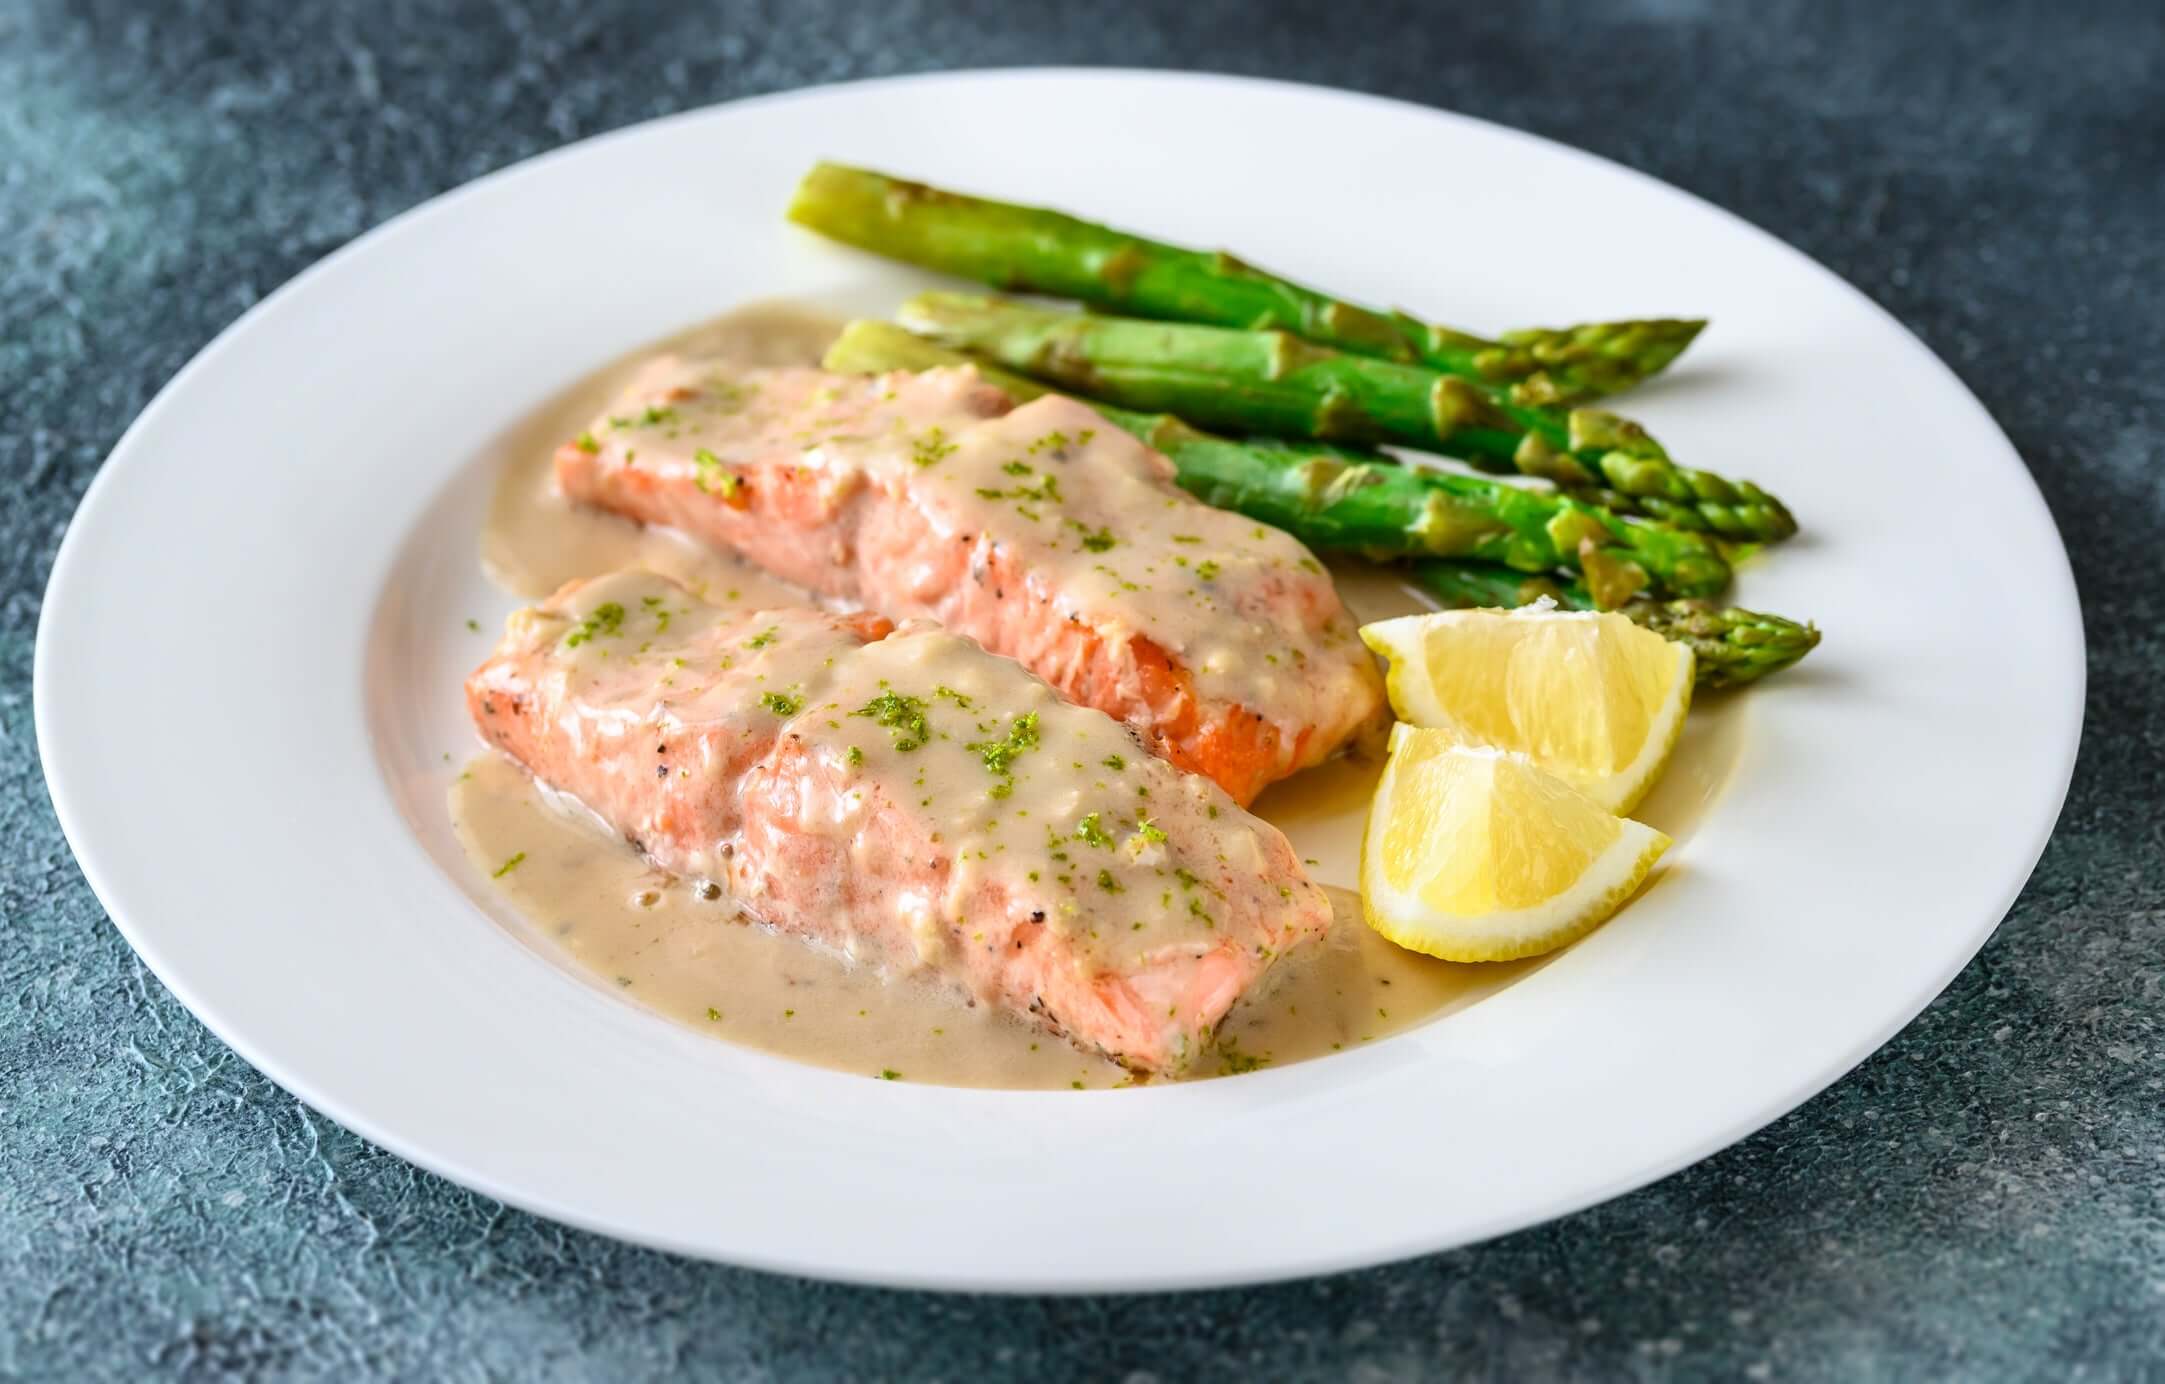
(1336, 500)
(1733, 646)
(1272, 382)
(1029, 249)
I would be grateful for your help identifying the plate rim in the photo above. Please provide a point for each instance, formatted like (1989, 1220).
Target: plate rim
(75, 552)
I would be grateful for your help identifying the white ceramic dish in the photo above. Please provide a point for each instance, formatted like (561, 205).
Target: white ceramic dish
(247, 665)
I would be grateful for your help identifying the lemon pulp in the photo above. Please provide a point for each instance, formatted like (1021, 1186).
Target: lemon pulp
(1476, 854)
(1592, 698)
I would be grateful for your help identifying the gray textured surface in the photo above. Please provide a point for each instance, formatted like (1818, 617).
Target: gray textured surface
(1981, 1198)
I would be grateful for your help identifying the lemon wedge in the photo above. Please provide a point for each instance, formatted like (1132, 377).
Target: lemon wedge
(1590, 697)
(1474, 854)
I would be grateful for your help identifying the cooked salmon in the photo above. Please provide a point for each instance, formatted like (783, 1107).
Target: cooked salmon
(1042, 532)
(904, 797)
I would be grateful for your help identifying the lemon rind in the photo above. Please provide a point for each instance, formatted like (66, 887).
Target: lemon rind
(1607, 884)
(1626, 789)
(1414, 701)
(1402, 917)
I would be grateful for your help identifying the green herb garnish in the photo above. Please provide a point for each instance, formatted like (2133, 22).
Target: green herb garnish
(931, 446)
(508, 866)
(1234, 1062)
(607, 619)
(1088, 830)
(1000, 755)
(902, 715)
(715, 478)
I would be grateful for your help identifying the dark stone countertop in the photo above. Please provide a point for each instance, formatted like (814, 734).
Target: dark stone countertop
(1980, 1199)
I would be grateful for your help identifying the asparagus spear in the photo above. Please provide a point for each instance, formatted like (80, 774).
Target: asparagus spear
(1031, 249)
(1733, 646)
(1265, 481)
(1556, 366)
(1336, 500)
(1270, 382)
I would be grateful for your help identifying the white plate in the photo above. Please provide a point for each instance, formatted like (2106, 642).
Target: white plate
(247, 665)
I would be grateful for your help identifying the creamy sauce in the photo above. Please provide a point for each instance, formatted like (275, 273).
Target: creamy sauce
(653, 939)
(534, 540)
(657, 940)
(917, 757)
(1046, 501)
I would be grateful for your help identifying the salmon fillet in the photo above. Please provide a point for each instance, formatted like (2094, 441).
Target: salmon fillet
(901, 796)
(1042, 532)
